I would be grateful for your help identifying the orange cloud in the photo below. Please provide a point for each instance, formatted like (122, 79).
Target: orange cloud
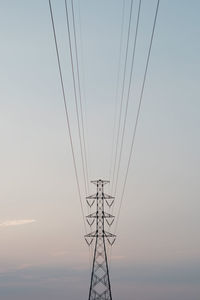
(16, 222)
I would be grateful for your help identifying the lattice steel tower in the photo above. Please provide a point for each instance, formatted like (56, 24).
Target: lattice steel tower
(100, 288)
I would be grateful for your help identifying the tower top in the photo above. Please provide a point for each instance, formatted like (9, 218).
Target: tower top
(100, 181)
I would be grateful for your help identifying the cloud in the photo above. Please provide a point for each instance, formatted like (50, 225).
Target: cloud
(16, 222)
(24, 266)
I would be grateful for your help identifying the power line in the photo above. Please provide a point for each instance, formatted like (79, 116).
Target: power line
(117, 88)
(85, 140)
(80, 94)
(83, 82)
(122, 94)
(81, 106)
(128, 95)
(66, 113)
(138, 113)
(75, 95)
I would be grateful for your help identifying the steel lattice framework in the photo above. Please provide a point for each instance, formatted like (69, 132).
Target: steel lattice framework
(100, 288)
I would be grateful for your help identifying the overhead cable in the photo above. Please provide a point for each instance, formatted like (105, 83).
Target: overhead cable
(138, 113)
(75, 96)
(80, 95)
(122, 95)
(128, 97)
(117, 89)
(84, 89)
(66, 113)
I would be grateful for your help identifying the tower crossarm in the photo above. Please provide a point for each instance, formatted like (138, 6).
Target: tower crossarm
(106, 196)
(95, 196)
(95, 215)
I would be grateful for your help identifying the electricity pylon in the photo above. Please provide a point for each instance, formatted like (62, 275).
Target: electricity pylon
(100, 288)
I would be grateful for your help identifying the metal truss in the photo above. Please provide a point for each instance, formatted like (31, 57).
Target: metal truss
(100, 288)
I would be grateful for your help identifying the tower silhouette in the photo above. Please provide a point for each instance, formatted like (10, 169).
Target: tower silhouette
(100, 288)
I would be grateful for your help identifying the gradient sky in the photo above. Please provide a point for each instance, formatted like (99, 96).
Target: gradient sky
(43, 253)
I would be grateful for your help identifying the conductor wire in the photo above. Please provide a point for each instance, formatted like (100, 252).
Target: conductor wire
(128, 97)
(122, 94)
(80, 95)
(66, 113)
(75, 95)
(138, 113)
(117, 88)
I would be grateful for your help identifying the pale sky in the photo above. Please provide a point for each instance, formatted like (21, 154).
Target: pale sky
(43, 253)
